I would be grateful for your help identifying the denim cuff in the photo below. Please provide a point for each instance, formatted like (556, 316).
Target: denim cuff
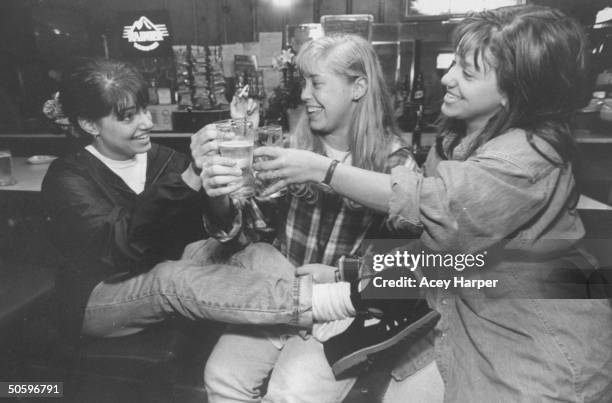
(404, 203)
(302, 316)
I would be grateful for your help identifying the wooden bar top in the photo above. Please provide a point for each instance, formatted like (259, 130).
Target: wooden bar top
(29, 176)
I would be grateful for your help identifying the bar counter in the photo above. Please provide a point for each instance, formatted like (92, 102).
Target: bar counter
(581, 136)
(29, 179)
(595, 148)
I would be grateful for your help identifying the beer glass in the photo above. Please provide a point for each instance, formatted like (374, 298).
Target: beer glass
(6, 169)
(269, 136)
(236, 137)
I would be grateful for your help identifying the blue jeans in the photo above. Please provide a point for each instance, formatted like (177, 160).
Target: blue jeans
(298, 372)
(255, 286)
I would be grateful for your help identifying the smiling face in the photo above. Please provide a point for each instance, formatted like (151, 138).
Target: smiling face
(328, 98)
(472, 92)
(122, 137)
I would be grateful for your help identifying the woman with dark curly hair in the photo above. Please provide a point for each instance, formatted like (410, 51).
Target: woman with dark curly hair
(500, 180)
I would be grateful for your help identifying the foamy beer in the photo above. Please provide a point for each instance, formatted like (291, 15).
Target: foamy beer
(236, 137)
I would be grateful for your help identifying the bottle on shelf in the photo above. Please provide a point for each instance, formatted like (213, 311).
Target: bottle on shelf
(418, 93)
(239, 83)
(404, 121)
(417, 130)
(153, 99)
(418, 99)
(247, 81)
(418, 125)
(164, 90)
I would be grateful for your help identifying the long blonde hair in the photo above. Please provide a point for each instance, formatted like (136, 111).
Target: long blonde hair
(372, 127)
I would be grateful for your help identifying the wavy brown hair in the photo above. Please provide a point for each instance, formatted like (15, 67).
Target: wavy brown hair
(539, 57)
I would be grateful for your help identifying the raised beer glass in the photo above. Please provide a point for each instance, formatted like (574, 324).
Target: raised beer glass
(236, 138)
(269, 136)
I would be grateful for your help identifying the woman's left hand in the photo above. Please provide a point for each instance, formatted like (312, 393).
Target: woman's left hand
(286, 166)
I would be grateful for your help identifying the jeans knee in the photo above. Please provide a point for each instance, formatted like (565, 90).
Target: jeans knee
(265, 251)
(194, 249)
(265, 258)
(215, 373)
(163, 273)
(171, 276)
(225, 382)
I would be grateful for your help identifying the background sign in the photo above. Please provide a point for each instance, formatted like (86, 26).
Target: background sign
(144, 34)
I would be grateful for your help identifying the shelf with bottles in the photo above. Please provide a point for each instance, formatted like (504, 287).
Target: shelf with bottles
(412, 99)
(250, 84)
(200, 81)
(160, 74)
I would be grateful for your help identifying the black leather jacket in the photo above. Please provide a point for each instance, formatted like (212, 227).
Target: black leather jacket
(102, 227)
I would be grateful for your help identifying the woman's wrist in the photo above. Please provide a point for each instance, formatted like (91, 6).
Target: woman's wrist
(194, 168)
(191, 179)
(321, 167)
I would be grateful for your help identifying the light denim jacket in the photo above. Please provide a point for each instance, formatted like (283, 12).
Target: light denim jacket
(510, 343)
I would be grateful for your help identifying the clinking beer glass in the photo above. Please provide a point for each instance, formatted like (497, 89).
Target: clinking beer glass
(269, 136)
(236, 140)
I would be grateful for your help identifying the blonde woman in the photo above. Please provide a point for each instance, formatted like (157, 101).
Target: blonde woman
(347, 121)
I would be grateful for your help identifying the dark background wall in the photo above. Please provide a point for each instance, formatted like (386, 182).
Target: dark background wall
(228, 21)
(29, 49)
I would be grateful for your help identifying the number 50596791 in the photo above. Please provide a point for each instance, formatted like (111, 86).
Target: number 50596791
(43, 389)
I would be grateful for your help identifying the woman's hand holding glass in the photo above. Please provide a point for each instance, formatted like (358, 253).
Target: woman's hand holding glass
(286, 166)
(268, 136)
(203, 144)
(220, 176)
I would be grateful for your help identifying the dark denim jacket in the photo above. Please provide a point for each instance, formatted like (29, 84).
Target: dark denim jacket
(512, 343)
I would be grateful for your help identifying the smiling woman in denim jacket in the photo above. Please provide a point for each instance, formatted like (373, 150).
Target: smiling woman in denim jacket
(499, 180)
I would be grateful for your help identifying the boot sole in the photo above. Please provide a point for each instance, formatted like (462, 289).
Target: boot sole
(414, 331)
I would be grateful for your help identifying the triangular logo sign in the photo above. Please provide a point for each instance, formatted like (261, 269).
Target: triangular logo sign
(145, 35)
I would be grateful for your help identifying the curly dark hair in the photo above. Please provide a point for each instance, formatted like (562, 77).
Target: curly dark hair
(539, 57)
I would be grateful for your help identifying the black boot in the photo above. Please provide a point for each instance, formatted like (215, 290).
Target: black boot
(398, 319)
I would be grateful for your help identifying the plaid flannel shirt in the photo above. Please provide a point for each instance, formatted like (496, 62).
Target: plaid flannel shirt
(309, 224)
